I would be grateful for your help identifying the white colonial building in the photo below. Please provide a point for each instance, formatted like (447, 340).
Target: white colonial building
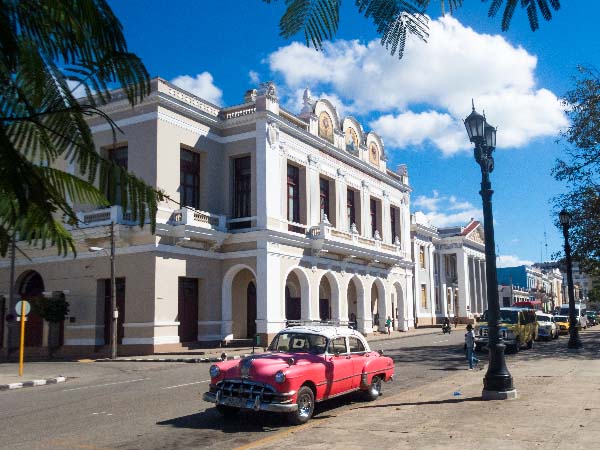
(449, 274)
(273, 217)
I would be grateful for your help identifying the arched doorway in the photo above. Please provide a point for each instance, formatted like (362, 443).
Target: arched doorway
(379, 310)
(243, 304)
(324, 299)
(399, 307)
(293, 300)
(31, 288)
(297, 295)
(355, 299)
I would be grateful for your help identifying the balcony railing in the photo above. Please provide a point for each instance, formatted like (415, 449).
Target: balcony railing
(327, 232)
(201, 219)
(105, 216)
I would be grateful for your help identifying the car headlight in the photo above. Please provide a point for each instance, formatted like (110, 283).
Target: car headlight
(214, 371)
(280, 377)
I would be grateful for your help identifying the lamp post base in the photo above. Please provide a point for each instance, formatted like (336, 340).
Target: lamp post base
(499, 395)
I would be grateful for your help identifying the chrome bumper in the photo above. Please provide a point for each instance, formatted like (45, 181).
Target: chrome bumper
(243, 403)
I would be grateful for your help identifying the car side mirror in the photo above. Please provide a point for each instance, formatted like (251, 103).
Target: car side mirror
(380, 352)
(336, 354)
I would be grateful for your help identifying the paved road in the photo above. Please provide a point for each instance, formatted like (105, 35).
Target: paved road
(158, 405)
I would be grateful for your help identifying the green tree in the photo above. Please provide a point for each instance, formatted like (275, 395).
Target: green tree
(318, 20)
(48, 48)
(581, 167)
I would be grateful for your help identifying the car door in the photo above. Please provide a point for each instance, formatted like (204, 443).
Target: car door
(358, 357)
(339, 367)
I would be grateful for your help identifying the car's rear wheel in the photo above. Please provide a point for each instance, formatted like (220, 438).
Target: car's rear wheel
(306, 406)
(227, 411)
(374, 390)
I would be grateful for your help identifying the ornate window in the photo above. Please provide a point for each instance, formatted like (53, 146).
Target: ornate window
(350, 208)
(120, 157)
(189, 178)
(293, 193)
(374, 153)
(424, 296)
(326, 127)
(422, 256)
(373, 211)
(324, 196)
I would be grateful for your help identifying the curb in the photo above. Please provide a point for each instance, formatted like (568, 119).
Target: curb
(433, 330)
(33, 383)
(180, 360)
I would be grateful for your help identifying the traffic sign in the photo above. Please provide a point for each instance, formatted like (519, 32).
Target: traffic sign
(20, 304)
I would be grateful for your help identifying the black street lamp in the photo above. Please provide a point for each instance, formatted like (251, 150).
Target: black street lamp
(498, 382)
(574, 342)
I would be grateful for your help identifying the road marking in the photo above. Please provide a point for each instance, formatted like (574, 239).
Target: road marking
(186, 384)
(107, 384)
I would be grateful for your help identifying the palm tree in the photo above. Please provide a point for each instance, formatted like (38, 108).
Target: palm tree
(394, 19)
(49, 48)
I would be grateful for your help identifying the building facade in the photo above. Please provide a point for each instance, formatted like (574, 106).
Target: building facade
(540, 283)
(272, 217)
(450, 272)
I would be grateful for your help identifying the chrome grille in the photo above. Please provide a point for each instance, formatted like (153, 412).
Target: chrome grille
(247, 390)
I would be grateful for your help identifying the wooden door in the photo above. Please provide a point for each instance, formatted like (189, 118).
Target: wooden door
(187, 310)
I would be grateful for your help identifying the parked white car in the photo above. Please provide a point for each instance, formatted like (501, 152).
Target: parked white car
(547, 327)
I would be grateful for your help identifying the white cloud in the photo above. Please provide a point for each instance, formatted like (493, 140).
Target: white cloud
(425, 95)
(202, 86)
(443, 211)
(512, 261)
(254, 77)
(76, 89)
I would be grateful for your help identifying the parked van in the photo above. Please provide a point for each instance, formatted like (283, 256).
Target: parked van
(580, 314)
(518, 328)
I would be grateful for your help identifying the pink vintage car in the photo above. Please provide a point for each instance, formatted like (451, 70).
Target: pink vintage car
(304, 365)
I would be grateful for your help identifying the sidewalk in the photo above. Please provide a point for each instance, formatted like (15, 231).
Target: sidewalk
(52, 371)
(558, 407)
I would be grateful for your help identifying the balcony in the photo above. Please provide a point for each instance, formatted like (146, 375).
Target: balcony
(200, 219)
(101, 217)
(328, 239)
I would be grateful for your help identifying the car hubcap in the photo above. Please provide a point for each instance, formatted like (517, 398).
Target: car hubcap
(304, 406)
(376, 387)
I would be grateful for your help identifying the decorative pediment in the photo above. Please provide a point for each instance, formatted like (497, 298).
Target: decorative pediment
(477, 235)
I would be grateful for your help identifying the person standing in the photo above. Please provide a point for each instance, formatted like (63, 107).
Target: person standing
(388, 325)
(470, 346)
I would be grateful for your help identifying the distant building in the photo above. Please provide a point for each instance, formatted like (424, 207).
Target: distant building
(449, 271)
(542, 284)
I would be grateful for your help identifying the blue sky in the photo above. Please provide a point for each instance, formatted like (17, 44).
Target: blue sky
(220, 48)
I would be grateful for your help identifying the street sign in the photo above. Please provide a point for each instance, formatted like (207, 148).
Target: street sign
(19, 304)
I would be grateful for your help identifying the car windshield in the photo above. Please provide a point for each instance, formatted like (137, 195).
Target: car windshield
(299, 342)
(508, 316)
(541, 318)
(561, 318)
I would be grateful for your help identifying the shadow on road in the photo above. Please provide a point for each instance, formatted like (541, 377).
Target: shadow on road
(435, 402)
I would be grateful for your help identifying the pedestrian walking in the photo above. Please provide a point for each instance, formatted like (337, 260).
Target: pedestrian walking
(388, 325)
(456, 321)
(470, 346)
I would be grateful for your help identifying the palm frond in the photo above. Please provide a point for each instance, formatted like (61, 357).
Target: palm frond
(531, 7)
(316, 19)
(395, 19)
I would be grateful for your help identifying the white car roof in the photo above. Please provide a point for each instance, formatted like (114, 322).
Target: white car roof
(327, 331)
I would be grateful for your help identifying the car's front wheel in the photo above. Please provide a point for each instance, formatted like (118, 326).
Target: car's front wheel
(306, 406)
(374, 390)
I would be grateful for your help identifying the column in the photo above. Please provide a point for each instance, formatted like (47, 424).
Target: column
(270, 315)
(462, 272)
(341, 194)
(267, 173)
(386, 226)
(484, 284)
(313, 194)
(365, 210)
(472, 285)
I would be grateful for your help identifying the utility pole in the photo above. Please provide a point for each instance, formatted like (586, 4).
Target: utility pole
(113, 295)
